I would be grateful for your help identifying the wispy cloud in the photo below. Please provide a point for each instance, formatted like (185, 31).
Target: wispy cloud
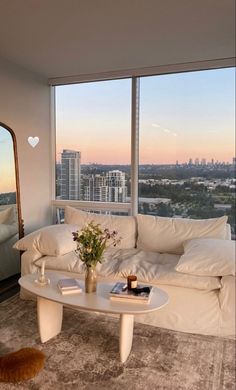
(167, 131)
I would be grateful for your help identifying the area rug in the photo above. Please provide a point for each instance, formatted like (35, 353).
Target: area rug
(85, 356)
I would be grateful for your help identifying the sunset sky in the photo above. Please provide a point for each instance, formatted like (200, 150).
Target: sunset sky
(7, 164)
(181, 116)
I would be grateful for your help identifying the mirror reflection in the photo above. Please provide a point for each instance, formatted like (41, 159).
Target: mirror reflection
(9, 227)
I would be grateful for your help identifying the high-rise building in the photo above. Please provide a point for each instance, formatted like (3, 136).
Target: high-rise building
(203, 161)
(190, 162)
(109, 187)
(95, 188)
(117, 190)
(197, 161)
(70, 174)
(234, 161)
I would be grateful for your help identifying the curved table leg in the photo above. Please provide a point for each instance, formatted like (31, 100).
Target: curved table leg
(126, 335)
(49, 318)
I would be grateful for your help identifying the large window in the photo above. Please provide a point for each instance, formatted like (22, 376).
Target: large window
(187, 145)
(93, 141)
(186, 140)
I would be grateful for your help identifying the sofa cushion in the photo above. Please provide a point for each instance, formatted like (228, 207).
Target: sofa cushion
(160, 234)
(208, 256)
(124, 225)
(149, 267)
(7, 216)
(7, 231)
(51, 240)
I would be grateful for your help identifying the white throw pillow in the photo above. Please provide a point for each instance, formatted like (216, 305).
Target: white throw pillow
(7, 215)
(124, 225)
(161, 234)
(52, 240)
(7, 231)
(208, 257)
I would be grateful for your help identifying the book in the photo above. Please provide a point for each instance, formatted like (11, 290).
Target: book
(141, 294)
(69, 286)
(72, 291)
(124, 300)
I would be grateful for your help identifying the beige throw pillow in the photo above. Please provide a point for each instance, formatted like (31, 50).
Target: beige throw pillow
(208, 257)
(51, 240)
(7, 216)
(160, 234)
(125, 226)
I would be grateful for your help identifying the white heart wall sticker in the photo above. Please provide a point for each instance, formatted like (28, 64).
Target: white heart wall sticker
(33, 141)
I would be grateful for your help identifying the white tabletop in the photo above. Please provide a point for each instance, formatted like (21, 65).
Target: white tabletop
(98, 301)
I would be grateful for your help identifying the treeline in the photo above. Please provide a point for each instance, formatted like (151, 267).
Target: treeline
(8, 198)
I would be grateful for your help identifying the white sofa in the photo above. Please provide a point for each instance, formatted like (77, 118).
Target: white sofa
(192, 260)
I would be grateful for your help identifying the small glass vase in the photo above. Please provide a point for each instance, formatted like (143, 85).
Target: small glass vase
(90, 279)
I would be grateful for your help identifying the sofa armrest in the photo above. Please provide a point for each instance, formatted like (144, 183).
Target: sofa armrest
(227, 304)
(27, 261)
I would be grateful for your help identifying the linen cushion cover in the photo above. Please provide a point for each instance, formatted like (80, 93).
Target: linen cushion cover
(149, 267)
(124, 225)
(161, 234)
(208, 257)
(7, 216)
(7, 231)
(51, 240)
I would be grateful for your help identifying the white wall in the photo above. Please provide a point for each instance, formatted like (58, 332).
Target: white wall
(24, 107)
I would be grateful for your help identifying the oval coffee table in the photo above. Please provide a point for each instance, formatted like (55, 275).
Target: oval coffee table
(50, 307)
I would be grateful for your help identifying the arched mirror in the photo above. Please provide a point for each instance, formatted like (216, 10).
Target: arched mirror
(11, 225)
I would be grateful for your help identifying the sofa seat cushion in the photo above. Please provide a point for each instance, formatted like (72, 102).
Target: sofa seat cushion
(149, 267)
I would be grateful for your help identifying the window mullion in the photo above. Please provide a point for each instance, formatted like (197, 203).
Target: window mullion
(134, 145)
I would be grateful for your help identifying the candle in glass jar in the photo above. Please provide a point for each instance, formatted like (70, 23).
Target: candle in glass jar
(132, 282)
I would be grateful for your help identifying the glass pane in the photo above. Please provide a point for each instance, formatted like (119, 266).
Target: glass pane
(187, 145)
(9, 230)
(7, 169)
(93, 141)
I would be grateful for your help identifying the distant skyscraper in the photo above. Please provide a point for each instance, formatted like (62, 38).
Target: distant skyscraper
(70, 174)
(203, 161)
(234, 161)
(212, 161)
(190, 161)
(197, 161)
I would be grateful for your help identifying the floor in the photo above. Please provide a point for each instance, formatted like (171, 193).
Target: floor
(9, 287)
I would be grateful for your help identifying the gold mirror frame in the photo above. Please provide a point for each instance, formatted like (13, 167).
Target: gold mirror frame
(19, 215)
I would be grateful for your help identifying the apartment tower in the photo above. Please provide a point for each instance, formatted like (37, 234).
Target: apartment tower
(70, 174)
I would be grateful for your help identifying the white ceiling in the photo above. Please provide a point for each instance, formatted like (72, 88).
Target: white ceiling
(58, 38)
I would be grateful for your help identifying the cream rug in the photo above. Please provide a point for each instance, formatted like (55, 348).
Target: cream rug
(86, 354)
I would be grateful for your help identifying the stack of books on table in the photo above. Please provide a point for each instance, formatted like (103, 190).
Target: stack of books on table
(140, 294)
(69, 286)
